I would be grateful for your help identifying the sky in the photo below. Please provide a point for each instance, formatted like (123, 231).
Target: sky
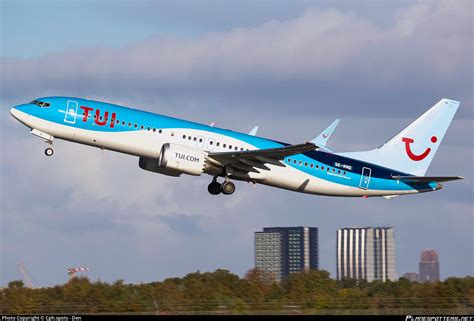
(291, 67)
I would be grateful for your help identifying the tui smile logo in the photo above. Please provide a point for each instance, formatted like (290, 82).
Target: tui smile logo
(325, 135)
(414, 156)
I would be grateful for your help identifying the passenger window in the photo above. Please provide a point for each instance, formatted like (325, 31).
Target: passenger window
(129, 124)
(289, 160)
(200, 140)
(241, 149)
(184, 136)
(294, 162)
(136, 126)
(305, 164)
(154, 130)
(224, 145)
(195, 139)
(123, 123)
(230, 146)
(217, 144)
(118, 121)
(141, 127)
(236, 148)
(312, 165)
(211, 142)
(148, 128)
(322, 168)
(317, 166)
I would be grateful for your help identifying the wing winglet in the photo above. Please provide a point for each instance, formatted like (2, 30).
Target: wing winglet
(254, 131)
(322, 139)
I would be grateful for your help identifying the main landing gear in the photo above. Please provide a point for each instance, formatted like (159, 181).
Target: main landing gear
(226, 188)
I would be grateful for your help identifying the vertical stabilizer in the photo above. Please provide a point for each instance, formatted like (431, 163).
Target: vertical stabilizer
(412, 149)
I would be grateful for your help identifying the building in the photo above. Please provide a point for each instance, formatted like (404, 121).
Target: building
(429, 266)
(366, 253)
(411, 276)
(280, 251)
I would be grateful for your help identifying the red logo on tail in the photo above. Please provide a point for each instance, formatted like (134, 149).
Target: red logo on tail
(413, 156)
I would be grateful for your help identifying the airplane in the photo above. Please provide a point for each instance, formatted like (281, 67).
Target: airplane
(173, 147)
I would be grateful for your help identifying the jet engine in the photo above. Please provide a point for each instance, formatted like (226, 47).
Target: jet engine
(175, 160)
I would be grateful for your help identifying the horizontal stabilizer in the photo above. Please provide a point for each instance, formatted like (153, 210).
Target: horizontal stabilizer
(427, 179)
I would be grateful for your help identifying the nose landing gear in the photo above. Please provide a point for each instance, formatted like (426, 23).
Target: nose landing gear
(49, 151)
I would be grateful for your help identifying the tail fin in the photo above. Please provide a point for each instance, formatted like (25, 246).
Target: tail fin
(412, 149)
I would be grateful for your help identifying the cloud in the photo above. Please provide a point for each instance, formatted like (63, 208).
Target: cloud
(301, 61)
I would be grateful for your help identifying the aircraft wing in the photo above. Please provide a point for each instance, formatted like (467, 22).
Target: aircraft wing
(252, 160)
(427, 179)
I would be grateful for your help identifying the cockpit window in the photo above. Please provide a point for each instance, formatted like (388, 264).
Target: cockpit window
(42, 104)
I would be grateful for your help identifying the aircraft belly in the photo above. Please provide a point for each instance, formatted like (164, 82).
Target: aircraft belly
(293, 179)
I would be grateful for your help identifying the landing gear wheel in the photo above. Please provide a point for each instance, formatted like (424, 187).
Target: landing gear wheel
(49, 151)
(214, 188)
(228, 188)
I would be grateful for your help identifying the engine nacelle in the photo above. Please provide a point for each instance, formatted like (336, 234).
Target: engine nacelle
(175, 160)
(150, 164)
(186, 159)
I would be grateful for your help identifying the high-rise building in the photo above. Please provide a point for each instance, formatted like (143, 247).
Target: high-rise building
(411, 276)
(280, 251)
(366, 253)
(429, 266)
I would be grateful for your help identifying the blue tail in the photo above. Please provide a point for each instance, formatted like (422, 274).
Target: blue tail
(412, 150)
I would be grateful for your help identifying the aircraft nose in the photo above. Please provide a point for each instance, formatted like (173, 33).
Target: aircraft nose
(14, 112)
(20, 112)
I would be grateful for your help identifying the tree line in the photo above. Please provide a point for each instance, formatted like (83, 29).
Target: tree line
(222, 292)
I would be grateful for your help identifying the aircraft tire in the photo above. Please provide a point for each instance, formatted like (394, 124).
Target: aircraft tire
(49, 151)
(214, 188)
(228, 188)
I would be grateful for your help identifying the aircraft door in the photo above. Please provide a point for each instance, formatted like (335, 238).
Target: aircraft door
(365, 178)
(71, 112)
